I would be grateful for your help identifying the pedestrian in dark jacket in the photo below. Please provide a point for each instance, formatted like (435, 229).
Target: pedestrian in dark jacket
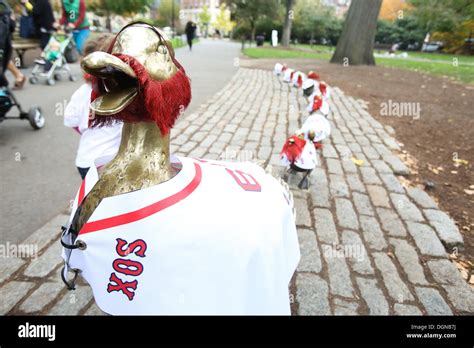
(44, 20)
(190, 31)
(7, 26)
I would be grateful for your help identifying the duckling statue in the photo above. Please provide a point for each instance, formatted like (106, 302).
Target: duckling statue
(299, 151)
(153, 233)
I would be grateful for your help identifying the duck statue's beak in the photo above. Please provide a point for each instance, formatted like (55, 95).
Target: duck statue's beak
(119, 80)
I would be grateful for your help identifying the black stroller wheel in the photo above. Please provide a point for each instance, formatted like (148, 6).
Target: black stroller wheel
(72, 78)
(36, 118)
(58, 77)
(33, 80)
(51, 82)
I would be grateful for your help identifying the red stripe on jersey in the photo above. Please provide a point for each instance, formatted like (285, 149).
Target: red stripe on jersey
(82, 192)
(146, 211)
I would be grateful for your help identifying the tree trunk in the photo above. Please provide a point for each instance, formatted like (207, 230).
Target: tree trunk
(253, 30)
(285, 39)
(356, 44)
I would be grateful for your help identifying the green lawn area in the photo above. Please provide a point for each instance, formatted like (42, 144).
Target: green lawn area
(464, 73)
(271, 52)
(442, 57)
(440, 64)
(177, 42)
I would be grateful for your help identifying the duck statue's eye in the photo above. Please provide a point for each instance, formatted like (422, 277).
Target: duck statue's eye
(162, 49)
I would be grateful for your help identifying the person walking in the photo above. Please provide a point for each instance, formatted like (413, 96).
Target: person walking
(44, 21)
(190, 31)
(7, 27)
(74, 17)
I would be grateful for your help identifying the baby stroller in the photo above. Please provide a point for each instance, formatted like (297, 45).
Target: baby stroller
(53, 60)
(7, 99)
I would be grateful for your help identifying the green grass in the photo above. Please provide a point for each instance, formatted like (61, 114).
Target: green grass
(319, 48)
(177, 42)
(439, 64)
(464, 73)
(270, 52)
(441, 57)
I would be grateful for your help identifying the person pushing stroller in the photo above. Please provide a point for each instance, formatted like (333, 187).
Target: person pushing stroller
(74, 18)
(7, 99)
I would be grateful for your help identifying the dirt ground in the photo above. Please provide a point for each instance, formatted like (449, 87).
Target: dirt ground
(432, 142)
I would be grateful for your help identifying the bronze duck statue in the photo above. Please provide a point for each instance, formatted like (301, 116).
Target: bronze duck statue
(143, 159)
(190, 237)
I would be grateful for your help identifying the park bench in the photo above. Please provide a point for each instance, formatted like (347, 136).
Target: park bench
(21, 45)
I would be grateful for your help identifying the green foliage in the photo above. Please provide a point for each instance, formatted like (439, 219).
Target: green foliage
(314, 21)
(165, 13)
(448, 20)
(249, 12)
(242, 31)
(266, 25)
(406, 31)
(204, 20)
(223, 22)
(442, 15)
(204, 16)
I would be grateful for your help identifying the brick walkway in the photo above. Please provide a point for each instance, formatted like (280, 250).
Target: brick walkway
(368, 244)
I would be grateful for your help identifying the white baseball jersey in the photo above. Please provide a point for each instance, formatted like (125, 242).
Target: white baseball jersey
(217, 238)
(317, 86)
(298, 79)
(288, 75)
(310, 83)
(318, 124)
(307, 160)
(323, 108)
(279, 68)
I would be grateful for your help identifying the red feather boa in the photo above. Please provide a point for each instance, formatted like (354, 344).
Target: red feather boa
(157, 101)
(293, 148)
(317, 103)
(313, 75)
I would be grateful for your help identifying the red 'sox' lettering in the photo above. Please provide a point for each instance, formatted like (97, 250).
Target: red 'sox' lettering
(116, 284)
(140, 244)
(128, 267)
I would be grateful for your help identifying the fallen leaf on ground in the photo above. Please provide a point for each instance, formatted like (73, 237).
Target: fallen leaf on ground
(460, 161)
(357, 161)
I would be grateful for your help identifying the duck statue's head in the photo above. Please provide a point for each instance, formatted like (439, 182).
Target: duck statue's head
(137, 80)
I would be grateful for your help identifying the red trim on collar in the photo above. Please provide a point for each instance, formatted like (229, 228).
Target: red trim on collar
(146, 211)
(82, 192)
